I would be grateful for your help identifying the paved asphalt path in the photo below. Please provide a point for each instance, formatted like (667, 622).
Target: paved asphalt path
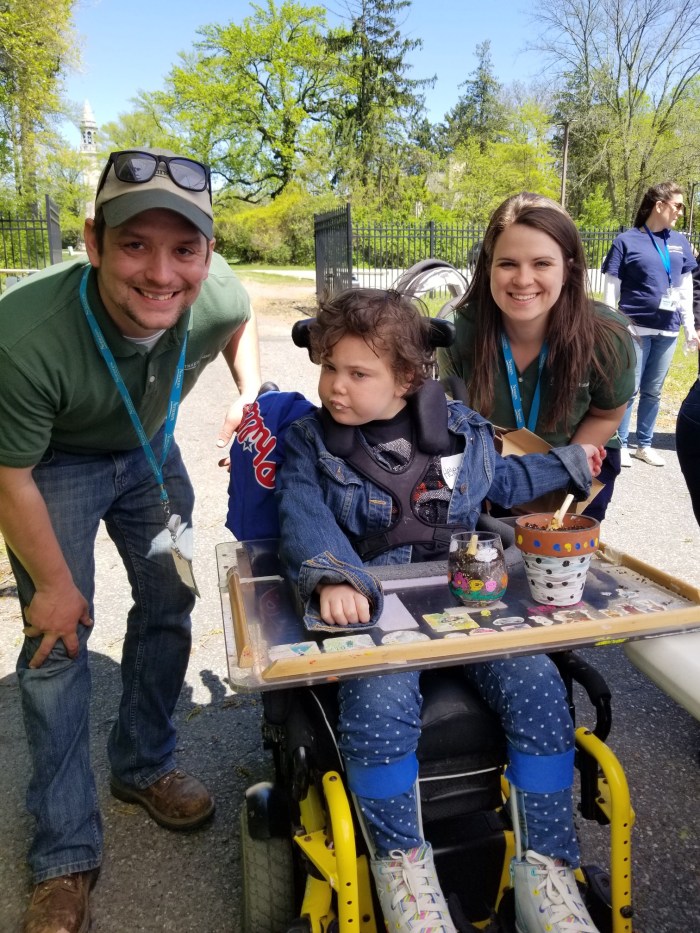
(156, 881)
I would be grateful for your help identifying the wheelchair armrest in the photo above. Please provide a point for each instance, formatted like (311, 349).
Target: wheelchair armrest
(573, 668)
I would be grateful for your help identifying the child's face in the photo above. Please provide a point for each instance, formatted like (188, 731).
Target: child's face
(527, 276)
(357, 385)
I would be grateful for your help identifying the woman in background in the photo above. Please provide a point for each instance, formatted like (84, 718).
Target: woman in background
(648, 275)
(532, 348)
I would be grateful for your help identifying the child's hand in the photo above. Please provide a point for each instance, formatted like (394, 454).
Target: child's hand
(342, 604)
(595, 456)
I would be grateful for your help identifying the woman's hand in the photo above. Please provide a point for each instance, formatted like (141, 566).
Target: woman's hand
(342, 604)
(595, 457)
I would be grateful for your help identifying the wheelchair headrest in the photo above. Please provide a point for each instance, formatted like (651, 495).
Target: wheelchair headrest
(442, 333)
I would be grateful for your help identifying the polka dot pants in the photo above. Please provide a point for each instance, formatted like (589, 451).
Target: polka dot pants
(379, 725)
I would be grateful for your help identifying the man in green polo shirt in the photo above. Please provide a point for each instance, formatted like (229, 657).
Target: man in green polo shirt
(94, 359)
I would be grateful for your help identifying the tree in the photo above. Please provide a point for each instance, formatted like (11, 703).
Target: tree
(248, 99)
(383, 107)
(36, 49)
(63, 172)
(147, 126)
(479, 113)
(626, 67)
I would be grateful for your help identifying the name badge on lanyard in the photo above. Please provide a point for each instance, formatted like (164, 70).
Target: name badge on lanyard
(670, 298)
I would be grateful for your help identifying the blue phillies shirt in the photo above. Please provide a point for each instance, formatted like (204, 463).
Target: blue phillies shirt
(256, 451)
(635, 261)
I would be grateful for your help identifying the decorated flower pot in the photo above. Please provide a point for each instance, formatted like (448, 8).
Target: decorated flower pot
(557, 561)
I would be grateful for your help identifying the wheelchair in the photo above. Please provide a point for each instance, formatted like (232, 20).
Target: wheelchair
(305, 862)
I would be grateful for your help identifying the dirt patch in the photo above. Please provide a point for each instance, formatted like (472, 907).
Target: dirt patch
(283, 303)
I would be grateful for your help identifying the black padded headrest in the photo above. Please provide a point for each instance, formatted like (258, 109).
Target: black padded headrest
(442, 333)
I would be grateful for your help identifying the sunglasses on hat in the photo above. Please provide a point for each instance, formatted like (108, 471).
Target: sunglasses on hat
(136, 167)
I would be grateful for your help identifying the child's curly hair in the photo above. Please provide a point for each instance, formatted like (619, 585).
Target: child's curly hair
(387, 321)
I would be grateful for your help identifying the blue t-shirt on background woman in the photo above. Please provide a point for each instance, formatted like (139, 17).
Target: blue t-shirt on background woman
(648, 276)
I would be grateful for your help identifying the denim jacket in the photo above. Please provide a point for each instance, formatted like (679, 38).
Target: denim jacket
(322, 500)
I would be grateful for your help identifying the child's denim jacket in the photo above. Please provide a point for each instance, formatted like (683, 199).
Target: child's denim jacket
(322, 500)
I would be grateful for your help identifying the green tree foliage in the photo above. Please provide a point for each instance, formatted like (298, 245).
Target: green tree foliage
(281, 232)
(383, 118)
(36, 48)
(248, 98)
(147, 126)
(627, 67)
(479, 113)
(63, 173)
(596, 212)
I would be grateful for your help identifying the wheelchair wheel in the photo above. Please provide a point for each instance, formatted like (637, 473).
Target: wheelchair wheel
(268, 882)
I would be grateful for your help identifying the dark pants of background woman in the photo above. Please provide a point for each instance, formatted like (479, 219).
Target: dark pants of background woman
(688, 444)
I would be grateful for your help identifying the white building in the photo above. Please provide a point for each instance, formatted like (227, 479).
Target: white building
(88, 148)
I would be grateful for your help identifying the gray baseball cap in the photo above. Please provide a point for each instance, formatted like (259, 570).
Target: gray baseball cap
(121, 199)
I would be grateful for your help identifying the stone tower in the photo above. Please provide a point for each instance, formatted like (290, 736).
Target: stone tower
(88, 148)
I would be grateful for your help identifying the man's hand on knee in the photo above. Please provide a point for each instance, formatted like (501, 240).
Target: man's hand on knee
(54, 615)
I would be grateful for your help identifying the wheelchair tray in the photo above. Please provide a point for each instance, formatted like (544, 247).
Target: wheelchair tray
(423, 625)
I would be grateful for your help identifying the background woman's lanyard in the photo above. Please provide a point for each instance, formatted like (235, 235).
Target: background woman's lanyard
(515, 389)
(665, 256)
(172, 522)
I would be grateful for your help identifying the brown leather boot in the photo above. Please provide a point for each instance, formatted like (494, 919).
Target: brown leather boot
(176, 801)
(61, 905)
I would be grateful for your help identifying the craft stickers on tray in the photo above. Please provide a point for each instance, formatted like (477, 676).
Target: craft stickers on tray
(618, 592)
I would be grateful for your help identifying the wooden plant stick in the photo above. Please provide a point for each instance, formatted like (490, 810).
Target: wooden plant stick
(558, 516)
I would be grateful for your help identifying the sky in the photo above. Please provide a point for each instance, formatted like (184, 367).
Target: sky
(130, 45)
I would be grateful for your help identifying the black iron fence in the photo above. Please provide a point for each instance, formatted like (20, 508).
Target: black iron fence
(29, 243)
(375, 254)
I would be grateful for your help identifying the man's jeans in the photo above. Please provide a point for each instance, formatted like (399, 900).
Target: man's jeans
(688, 444)
(654, 357)
(79, 491)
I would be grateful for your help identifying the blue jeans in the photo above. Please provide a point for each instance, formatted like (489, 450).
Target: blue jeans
(654, 357)
(379, 727)
(688, 444)
(81, 490)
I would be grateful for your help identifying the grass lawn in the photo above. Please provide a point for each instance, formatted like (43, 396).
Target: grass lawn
(269, 275)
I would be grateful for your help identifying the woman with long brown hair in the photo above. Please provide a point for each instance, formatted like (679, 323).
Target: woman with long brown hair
(532, 347)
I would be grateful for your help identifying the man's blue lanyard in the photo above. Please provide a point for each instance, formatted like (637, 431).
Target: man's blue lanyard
(175, 395)
(665, 256)
(515, 389)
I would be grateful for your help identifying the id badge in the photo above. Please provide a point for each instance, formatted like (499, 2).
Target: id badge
(669, 302)
(184, 569)
(183, 565)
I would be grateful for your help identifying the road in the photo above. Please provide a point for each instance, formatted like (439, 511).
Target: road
(156, 881)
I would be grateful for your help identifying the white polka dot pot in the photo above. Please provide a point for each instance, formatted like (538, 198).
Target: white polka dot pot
(556, 562)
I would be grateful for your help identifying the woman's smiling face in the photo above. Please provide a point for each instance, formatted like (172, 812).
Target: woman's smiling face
(528, 272)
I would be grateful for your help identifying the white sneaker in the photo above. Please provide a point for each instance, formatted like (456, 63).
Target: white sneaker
(547, 898)
(409, 892)
(649, 456)
(625, 459)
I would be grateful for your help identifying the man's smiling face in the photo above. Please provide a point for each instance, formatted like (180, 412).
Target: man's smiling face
(150, 270)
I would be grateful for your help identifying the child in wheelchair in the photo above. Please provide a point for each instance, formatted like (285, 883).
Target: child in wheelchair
(344, 506)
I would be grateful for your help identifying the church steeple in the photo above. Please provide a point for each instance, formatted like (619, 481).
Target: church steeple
(88, 149)
(88, 130)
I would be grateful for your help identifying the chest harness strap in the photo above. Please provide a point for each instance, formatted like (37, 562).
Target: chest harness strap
(430, 438)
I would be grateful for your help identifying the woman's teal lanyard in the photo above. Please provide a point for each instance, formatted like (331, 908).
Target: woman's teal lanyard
(172, 522)
(665, 256)
(515, 389)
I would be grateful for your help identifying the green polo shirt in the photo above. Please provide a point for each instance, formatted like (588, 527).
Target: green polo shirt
(55, 388)
(457, 360)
